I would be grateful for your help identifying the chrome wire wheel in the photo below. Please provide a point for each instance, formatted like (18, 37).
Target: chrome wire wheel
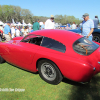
(48, 71)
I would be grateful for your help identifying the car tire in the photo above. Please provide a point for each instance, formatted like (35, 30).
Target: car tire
(96, 37)
(49, 72)
(1, 60)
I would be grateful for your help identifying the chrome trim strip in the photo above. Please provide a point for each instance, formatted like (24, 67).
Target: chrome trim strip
(98, 62)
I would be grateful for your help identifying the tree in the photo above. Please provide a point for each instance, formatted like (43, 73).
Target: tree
(9, 12)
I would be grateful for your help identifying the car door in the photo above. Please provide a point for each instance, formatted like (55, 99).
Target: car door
(23, 52)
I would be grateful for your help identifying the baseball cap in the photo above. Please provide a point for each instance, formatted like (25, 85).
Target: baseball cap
(8, 22)
(86, 14)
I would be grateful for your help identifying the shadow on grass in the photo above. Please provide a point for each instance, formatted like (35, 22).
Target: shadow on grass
(65, 80)
(89, 91)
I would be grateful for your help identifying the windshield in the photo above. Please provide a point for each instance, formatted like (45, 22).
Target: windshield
(84, 46)
(33, 39)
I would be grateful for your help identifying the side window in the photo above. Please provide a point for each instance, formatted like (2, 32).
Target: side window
(33, 39)
(36, 40)
(53, 44)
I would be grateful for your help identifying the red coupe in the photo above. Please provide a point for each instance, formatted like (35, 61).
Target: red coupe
(54, 54)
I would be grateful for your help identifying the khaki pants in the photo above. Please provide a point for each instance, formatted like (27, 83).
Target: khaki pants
(7, 37)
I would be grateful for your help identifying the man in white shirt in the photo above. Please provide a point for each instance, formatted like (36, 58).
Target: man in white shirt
(73, 26)
(50, 24)
(96, 22)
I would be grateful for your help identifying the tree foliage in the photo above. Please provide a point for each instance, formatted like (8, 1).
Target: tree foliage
(9, 12)
(66, 19)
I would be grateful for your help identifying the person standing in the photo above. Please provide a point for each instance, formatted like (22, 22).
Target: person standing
(26, 31)
(1, 31)
(7, 31)
(67, 27)
(43, 26)
(68, 24)
(13, 31)
(87, 26)
(17, 32)
(50, 24)
(36, 25)
(73, 26)
(96, 22)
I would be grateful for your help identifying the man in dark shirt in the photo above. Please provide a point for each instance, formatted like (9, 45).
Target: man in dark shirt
(36, 25)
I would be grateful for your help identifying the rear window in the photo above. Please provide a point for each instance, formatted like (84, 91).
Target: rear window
(84, 46)
(53, 44)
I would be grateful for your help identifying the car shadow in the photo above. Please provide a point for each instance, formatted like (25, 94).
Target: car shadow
(78, 91)
(65, 80)
(23, 69)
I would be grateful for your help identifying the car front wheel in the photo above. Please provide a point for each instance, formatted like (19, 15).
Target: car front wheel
(49, 72)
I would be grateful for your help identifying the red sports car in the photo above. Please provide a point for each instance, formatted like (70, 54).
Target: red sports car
(54, 54)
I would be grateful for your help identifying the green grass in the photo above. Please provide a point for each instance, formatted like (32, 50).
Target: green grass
(36, 89)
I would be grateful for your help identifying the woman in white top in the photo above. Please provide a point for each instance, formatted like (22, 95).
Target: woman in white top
(17, 32)
(13, 31)
(26, 31)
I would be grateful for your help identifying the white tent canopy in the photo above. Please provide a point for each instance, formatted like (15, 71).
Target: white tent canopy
(19, 24)
(29, 24)
(24, 24)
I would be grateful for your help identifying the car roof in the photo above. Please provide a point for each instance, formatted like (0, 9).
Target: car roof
(62, 36)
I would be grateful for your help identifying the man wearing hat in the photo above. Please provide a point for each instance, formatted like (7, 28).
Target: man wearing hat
(96, 22)
(87, 26)
(50, 24)
(7, 31)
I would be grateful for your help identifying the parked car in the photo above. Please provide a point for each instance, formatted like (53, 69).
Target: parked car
(54, 54)
(96, 34)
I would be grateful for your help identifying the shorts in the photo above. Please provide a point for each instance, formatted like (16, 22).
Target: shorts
(7, 37)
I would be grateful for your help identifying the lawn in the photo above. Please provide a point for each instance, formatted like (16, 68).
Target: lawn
(18, 84)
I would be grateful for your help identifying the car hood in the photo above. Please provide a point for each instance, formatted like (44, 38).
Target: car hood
(18, 38)
(13, 42)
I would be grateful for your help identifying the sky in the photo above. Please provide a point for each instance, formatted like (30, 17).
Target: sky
(47, 8)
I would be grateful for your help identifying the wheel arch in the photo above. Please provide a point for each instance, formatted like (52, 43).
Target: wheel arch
(46, 59)
(95, 33)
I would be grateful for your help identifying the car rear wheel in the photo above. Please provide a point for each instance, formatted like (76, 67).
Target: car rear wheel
(49, 72)
(1, 60)
(96, 37)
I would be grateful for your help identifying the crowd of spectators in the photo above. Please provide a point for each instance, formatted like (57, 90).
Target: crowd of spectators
(11, 30)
